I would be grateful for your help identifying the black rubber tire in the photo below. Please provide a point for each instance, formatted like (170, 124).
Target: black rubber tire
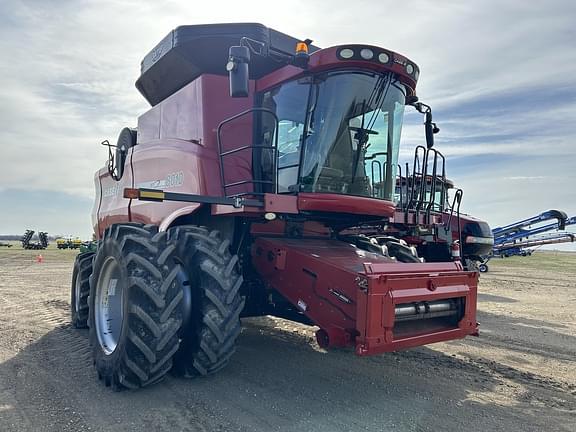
(152, 307)
(483, 268)
(209, 336)
(81, 274)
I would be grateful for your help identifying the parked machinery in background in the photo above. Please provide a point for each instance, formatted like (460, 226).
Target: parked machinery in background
(518, 238)
(27, 242)
(432, 196)
(68, 243)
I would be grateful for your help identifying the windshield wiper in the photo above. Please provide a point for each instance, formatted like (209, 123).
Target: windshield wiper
(362, 138)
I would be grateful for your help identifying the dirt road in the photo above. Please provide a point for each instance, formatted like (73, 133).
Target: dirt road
(520, 375)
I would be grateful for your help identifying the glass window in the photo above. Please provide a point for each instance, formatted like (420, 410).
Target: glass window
(338, 132)
(353, 134)
(289, 103)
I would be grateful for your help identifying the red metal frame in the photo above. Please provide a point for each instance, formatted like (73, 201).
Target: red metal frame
(351, 294)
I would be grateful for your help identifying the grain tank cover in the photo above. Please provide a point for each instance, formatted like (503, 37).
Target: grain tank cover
(189, 51)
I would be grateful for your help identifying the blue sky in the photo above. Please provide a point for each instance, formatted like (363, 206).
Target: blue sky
(500, 76)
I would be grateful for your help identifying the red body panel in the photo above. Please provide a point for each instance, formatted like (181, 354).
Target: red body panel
(112, 206)
(351, 294)
(345, 204)
(176, 151)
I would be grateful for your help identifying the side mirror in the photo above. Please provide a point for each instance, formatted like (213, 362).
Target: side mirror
(237, 67)
(431, 129)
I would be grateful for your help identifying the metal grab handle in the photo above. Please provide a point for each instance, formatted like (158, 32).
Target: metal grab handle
(457, 200)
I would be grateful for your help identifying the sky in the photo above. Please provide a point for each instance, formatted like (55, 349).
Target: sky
(500, 76)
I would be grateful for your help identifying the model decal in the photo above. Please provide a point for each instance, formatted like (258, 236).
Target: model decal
(171, 180)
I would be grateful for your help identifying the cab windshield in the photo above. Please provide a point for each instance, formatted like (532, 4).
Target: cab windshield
(339, 133)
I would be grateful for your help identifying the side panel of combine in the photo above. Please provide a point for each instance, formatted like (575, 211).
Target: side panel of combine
(177, 148)
(97, 203)
(114, 208)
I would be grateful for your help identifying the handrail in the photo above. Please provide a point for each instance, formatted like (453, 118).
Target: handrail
(274, 149)
(457, 199)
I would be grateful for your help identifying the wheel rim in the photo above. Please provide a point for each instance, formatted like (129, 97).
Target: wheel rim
(77, 286)
(108, 306)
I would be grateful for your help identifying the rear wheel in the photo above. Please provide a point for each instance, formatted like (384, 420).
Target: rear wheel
(135, 306)
(483, 268)
(81, 289)
(211, 280)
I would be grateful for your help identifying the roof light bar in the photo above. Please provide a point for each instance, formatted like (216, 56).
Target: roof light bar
(368, 54)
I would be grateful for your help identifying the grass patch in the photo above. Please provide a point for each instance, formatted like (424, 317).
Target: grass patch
(564, 262)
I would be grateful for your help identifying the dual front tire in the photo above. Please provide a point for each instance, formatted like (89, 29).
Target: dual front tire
(161, 301)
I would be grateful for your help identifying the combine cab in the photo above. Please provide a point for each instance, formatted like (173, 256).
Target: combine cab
(262, 181)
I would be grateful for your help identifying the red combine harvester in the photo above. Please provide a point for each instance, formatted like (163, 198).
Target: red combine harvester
(432, 198)
(264, 186)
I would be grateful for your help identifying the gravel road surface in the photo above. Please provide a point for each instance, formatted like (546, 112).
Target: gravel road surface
(519, 375)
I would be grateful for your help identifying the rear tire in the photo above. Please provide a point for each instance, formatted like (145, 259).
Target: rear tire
(210, 271)
(483, 268)
(81, 289)
(135, 306)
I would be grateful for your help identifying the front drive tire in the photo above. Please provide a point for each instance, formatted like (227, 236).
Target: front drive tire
(81, 289)
(135, 306)
(213, 280)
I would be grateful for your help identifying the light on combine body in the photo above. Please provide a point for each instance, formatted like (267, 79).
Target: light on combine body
(383, 58)
(131, 193)
(301, 47)
(346, 53)
(301, 56)
(369, 54)
(366, 54)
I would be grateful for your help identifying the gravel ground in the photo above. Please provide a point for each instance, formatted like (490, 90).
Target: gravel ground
(519, 375)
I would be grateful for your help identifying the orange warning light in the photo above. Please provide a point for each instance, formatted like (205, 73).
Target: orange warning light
(301, 47)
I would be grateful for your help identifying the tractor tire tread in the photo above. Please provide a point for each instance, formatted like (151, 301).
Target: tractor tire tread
(219, 302)
(83, 271)
(154, 315)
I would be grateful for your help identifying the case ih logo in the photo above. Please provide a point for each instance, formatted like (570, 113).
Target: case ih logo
(400, 61)
(157, 53)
